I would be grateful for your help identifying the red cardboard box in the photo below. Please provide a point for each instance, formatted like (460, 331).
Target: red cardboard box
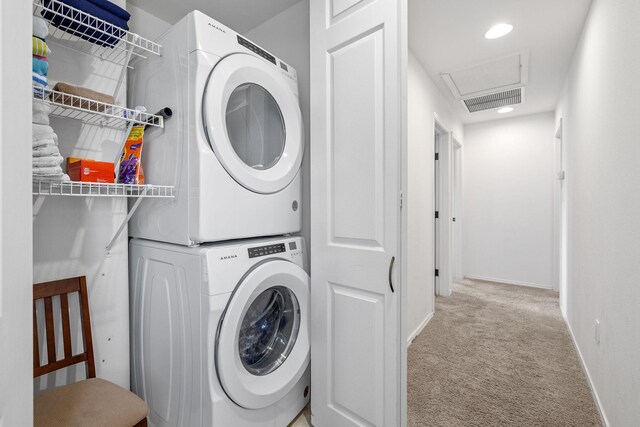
(90, 171)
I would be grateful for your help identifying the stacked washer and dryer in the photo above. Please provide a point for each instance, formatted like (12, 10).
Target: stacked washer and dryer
(220, 310)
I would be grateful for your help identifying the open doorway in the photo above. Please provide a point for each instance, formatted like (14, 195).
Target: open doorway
(494, 249)
(443, 209)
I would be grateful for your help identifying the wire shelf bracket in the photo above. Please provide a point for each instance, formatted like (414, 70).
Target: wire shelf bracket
(125, 222)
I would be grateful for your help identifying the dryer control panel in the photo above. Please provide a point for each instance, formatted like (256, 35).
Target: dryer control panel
(257, 50)
(287, 71)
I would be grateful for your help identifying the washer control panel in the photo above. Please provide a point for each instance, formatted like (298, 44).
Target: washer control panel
(226, 262)
(259, 251)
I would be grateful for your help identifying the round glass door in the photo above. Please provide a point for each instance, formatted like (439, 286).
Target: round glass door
(255, 126)
(253, 123)
(262, 341)
(269, 330)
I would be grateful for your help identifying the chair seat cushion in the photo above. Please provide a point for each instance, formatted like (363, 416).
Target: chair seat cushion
(93, 402)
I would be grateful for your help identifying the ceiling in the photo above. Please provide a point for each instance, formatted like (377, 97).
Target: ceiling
(447, 36)
(239, 15)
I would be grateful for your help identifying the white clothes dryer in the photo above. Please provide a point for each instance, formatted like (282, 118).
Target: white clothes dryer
(220, 333)
(234, 145)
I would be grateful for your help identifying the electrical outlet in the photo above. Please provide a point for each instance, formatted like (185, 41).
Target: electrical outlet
(597, 331)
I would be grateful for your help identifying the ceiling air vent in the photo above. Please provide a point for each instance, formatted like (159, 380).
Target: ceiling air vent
(494, 100)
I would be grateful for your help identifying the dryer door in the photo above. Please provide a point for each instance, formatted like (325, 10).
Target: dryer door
(253, 122)
(262, 342)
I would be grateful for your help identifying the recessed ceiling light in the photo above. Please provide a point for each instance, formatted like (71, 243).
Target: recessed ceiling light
(505, 110)
(498, 31)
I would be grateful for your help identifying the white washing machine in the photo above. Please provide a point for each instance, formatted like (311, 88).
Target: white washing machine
(234, 145)
(220, 333)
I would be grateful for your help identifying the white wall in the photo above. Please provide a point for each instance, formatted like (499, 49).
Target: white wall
(508, 200)
(286, 35)
(145, 24)
(424, 101)
(16, 352)
(70, 233)
(600, 112)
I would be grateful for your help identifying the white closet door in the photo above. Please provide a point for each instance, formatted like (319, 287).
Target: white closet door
(358, 75)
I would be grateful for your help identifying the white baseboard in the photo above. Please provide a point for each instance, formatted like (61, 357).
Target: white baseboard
(419, 329)
(596, 398)
(510, 282)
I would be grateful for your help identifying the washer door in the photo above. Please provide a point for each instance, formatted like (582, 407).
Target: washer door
(262, 342)
(253, 122)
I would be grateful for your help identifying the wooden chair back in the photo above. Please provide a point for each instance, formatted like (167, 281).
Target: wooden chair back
(62, 288)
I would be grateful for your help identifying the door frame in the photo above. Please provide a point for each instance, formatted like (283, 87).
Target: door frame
(442, 226)
(457, 208)
(403, 22)
(16, 223)
(560, 216)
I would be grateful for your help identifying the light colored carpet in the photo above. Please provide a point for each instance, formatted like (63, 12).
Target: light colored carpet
(497, 355)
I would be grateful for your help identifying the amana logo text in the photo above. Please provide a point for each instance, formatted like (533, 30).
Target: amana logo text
(216, 27)
(222, 258)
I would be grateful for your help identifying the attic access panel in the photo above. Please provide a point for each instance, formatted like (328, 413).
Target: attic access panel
(508, 72)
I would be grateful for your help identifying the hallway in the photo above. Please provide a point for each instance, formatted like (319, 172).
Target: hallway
(497, 354)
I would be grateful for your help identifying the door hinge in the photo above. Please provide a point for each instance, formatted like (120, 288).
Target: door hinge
(437, 214)
(437, 156)
(437, 273)
(401, 200)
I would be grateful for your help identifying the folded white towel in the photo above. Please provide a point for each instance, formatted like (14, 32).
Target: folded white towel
(47, 171)
(44, 143)
(58, 178)
(41, 131)
(46, 161)
(41, 111)
(47, 150)
(40, 27)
